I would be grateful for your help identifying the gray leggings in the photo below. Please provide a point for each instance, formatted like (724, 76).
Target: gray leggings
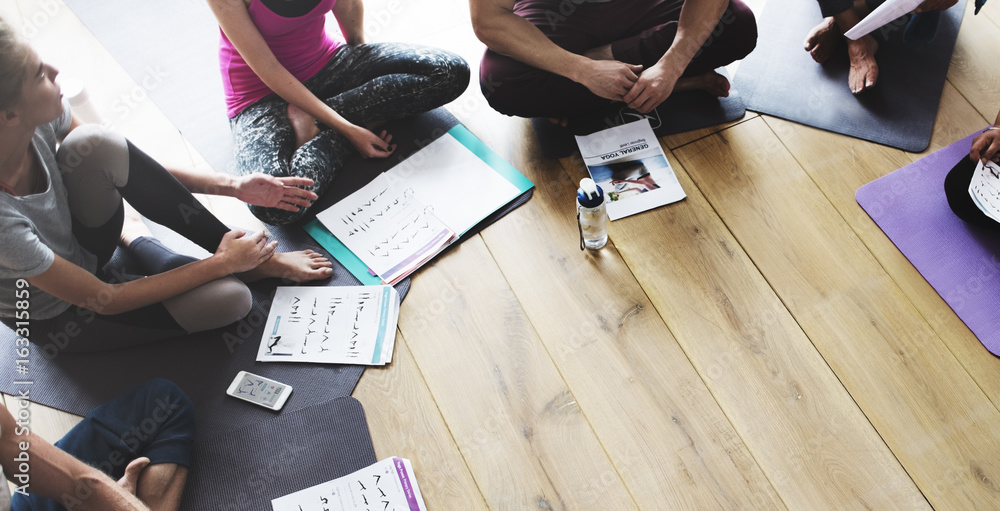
(99, 169)
(365, 84)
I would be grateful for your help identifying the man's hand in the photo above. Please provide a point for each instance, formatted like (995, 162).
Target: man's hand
(986, 146)
(935, 5)
(275, 192)
(610, 79)
(652, 88)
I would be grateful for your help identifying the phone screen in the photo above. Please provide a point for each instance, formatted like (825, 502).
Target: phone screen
(259, 390)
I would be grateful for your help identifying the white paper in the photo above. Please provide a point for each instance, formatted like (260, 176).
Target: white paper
(985, 189)
(387, 227)
(628, 164)
(388, 485)
(333, 325)
(881, 16)
(457, 185)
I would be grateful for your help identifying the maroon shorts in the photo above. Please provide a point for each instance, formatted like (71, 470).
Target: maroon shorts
(639, 31)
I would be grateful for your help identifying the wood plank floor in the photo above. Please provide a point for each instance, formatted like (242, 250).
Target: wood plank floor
(759, 345)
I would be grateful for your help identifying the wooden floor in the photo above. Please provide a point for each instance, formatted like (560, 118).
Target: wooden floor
(759, 345)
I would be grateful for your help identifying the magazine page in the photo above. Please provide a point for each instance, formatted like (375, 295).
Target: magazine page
(331, 324)
(881, 16)
(387, 228)
(628, 164)
(388, 485)
(985, 189)
(459, 186)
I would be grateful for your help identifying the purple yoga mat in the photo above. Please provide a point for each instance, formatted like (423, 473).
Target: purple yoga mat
(961, 261)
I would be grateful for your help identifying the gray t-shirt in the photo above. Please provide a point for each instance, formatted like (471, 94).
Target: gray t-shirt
(4, 492)
(34, 228)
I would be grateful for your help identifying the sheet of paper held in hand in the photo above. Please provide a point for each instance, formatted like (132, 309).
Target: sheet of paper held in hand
(884, 14)
(332, 325)
(414, 210)
(388, 485)
(985, 189)
(628, 164)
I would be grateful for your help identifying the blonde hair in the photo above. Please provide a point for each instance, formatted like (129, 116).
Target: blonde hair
(14, 56)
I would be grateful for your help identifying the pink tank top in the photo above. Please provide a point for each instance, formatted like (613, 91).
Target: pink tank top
(301, 44)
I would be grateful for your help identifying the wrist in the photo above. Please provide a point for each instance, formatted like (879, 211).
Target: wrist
(230, 185)
(578, 68)
(218, 265)
(672, 61)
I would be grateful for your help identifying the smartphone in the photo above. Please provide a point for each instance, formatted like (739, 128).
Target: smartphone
(259, 390)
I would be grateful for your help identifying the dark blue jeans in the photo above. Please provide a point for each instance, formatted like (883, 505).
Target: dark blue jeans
(365, 84)
(154, 419)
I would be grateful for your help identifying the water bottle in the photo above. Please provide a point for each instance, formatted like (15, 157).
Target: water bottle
(79, 101)
(591, 215)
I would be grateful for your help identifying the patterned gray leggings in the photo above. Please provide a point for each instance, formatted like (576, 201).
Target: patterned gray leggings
(366, 83)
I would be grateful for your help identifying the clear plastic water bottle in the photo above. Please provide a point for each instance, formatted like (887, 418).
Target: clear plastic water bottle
(79, 100)
(591, 215)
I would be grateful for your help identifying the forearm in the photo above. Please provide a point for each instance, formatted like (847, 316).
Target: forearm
(58, 476)
(697, 21)
(69, 282)
(509, 34)
(139, 293)
(350, 16)
(289, 88)
(211, 183)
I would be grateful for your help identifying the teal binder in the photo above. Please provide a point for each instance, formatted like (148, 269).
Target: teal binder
(359, 269)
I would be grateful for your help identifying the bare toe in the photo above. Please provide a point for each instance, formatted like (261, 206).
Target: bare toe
(823, 40)
(864, 69)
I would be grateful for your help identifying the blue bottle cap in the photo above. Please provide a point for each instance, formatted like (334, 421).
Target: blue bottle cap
(589, 195)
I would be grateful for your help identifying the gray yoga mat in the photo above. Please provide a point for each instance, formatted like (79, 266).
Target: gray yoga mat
(244, 469)
(779, 78)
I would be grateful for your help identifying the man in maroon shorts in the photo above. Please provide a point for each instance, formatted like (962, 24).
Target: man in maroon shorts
(556, 58)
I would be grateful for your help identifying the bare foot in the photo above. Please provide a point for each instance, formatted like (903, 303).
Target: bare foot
(864, 69)
(301, 266)
(823, 40)
(303, 124)
(133, 226)
(710, 82)
(560, 121)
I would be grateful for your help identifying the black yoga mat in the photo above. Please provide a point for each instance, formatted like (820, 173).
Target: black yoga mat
(682, 111)
(244, 469)
(779, 78)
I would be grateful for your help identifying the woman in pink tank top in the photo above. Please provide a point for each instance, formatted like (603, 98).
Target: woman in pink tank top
(299, 101)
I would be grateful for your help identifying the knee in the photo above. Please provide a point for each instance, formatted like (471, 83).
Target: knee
(170, 407)
(956, 190)
(738, 27)
(503, 82)
(211, 305)
(454, 73)
(275, 216)
(91, 148)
